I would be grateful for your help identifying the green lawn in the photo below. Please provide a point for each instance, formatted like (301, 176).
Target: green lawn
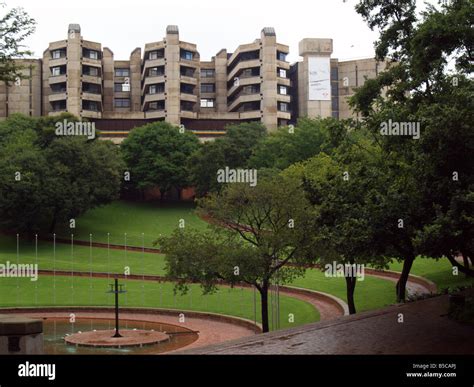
(80, 258)
(77, 291)
(371, 293)
(152, 219)
(440, 272)
(133, 219)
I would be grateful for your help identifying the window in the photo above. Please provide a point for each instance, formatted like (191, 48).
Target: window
(56, 54)
(186, 88)
(281, 56)
(283, 106)
(187, 55)
(91, 105)
(122, 72)
(93, 55)
(153, 55)
(208, 88)
(121, 87)
(156, 89)
(55, 71)
(91, 88)
(207, 73)
(282, 73)
(58, 105)
(155, 72)
(282, 90)
(92, 71)
(186, 105)
(58, 88)
(156, 105)
(251, 89)
(207, 103)
(186, 71)
(122, 102)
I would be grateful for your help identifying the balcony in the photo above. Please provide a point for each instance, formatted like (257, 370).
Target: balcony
(152, 81)
(284, 115)
(152, 97)
(188, 97)
(243, 98)
(152, 63)
(246, 81)
(57, 62)
(91, 96)
(250, 115)
(91, 79)
(57, 79)
(60, 96)
(242, 65)
(155, 114)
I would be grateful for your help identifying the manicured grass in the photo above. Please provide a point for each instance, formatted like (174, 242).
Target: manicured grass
(79, 291)
(371, 293)
(80, 258)
(440, 272)
(134, 219)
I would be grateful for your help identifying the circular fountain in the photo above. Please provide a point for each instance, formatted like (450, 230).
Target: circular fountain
(107, 339)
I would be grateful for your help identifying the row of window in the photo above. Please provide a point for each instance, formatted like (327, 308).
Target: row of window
(159, 71)
(160, 105)
(86, 53)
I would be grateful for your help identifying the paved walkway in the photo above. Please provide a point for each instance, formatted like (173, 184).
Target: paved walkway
(426, 330)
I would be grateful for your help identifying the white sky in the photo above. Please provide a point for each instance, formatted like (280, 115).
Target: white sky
(123, 25)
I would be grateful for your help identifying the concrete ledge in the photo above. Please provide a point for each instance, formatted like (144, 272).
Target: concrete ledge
(18, 325)
(166, 312)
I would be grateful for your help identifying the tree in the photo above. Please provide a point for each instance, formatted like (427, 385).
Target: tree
(289, 145)
(157, 155)
(259, 232)
(416, 87)
(15, 26)
(233, 151)
(345, 189)
(46, 182)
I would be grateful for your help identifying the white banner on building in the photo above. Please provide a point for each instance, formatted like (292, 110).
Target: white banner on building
(319, 70)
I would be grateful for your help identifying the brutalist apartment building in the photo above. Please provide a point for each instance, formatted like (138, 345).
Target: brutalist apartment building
(167, 80)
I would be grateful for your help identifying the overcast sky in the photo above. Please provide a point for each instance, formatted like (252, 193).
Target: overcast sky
(123, 25)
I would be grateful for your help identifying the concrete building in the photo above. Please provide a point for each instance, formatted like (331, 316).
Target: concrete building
(170, 82)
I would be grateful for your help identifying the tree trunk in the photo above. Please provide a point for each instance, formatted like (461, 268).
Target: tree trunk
(350, 287)
(52, 227)
(264, 308)
(402, 281)
(466, 263)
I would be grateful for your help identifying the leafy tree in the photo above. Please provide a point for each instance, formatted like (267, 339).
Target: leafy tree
(345, 189)
(43, 183)
(260, 231)
(233, 151)
(289, 145)
(157, 155)
(419, 88)
(15, 26)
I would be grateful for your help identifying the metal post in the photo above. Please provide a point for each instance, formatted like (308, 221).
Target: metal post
(117, 334)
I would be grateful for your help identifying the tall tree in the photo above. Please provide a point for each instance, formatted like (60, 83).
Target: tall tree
(157, 155)
(259, 232)
(416, 84)
(345, 189)
(233, 151)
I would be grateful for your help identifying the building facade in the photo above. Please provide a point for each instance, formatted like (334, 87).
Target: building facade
(169, 81)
